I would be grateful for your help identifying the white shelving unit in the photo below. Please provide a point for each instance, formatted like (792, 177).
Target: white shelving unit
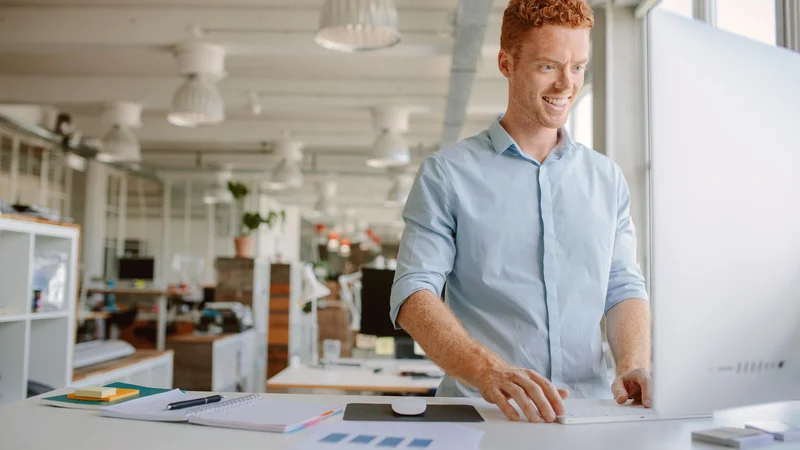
(34, 346)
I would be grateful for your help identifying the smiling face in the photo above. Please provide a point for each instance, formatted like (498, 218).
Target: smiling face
(546, 72)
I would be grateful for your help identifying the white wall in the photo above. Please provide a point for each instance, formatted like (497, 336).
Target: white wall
(269, 243)
(150, 231)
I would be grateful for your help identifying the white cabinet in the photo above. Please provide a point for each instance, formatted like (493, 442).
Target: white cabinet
(146, 368)
(36, 345)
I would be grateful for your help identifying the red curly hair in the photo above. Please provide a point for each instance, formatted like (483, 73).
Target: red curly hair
(522, 15)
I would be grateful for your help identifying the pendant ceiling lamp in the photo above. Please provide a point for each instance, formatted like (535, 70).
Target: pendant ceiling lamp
(219, 192)
(198, 102)
(391, 148)
(401, 187)
(326, 205)
(287, 174)
(358, 25)
(119, 143)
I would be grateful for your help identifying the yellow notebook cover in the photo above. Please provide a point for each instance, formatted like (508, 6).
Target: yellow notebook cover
(121, 393)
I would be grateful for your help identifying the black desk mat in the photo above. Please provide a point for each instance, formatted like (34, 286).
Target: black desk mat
(368, 412)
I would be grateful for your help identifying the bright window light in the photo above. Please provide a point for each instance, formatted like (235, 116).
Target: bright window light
(681, 7)
(751, 18)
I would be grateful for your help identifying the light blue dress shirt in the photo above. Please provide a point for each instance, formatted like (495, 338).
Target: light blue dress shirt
(533, 254)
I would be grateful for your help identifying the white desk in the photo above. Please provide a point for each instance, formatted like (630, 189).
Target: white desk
(27, 425)
(363, 378)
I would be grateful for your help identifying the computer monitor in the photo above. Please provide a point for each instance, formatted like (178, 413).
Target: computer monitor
(376, 288)
(136, 269)
(724, 217)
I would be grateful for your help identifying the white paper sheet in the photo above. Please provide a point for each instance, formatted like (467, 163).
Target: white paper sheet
(347, 435)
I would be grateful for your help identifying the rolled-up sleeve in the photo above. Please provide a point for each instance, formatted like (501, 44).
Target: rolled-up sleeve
(625, 279)
(427, 248)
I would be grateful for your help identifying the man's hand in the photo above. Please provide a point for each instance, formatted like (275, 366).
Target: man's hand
(636, 384)
(533, 393)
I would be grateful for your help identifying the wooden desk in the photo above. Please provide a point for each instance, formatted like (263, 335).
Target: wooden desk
(161, 304)
(360, 379)
(30, 425)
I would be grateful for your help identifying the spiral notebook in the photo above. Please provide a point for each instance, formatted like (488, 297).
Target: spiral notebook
(249, 412)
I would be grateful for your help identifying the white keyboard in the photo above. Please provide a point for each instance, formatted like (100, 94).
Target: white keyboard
(614, 413)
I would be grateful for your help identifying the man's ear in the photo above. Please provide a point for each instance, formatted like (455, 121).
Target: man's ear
(505, 62)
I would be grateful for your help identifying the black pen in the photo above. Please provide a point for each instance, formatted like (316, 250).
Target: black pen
(194, 402)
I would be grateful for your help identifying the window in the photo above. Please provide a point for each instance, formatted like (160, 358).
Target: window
(681, 7)
(751, 18)
(582, 121)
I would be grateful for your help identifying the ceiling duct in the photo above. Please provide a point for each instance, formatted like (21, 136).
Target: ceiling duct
(473, 19)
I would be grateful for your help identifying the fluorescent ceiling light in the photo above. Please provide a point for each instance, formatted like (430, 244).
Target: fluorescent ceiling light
(390, 150)
(358, 25)
(197, 102)
(120, 145)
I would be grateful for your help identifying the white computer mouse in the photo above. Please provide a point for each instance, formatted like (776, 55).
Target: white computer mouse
(409, 406)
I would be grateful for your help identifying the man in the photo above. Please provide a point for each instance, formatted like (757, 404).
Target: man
(533, 234)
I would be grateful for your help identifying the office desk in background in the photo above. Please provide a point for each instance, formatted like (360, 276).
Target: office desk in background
(28, 425)
(161, 307)
(346, 376)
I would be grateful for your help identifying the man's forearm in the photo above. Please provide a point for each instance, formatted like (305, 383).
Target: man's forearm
(445, 341)
(628, 330)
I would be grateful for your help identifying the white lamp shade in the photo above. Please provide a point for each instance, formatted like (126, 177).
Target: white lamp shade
(287, 174)
(358, 25)
(120, 145)
(325, 207)
(398, 195)
(289, 149)
(312, 288)
(390, 150)
(197, 102)
(217, 194)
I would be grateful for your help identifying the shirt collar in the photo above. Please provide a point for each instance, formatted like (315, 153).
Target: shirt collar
(502, 141)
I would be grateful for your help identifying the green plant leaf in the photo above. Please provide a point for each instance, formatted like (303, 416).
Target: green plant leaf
(250, 222)
(238, 190)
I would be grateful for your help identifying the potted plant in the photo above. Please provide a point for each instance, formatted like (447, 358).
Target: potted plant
(243, 242)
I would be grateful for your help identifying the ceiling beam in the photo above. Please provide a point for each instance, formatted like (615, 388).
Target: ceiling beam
(275, 94)
(423, 5)
(251, 31)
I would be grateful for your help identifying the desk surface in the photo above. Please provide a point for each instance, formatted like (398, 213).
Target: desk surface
(149, 292)
(27, 425)
(361, 378)
(114, 364)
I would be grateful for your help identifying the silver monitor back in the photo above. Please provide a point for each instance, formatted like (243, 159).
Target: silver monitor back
(724, 186)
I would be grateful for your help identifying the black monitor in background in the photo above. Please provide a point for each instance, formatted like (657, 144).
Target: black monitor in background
(136, 269)
(376, 288)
